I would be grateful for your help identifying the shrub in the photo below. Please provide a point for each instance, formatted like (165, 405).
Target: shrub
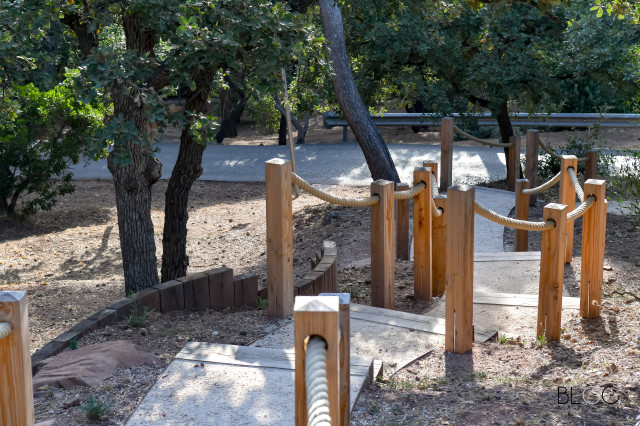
(627, 183)
(94, 408)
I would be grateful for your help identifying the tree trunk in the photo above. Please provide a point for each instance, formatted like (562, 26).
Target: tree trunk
(375, 150)
(418, 107)
(506, 131)
(228, 125)
(187, 170)
(282, 130)
(231, 129)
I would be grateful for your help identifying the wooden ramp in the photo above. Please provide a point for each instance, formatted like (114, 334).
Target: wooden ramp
(209, 383)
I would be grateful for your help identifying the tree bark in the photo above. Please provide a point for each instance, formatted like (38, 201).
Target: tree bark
(282, 130)
(231, 129)
(375, 150)
(228, 127)
(300, 128)
(506, 131)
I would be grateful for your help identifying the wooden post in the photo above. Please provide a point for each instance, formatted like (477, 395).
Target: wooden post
(433, 166)
(459, 306)
(513, 163)
(531, 168)
(382, 257)
(345, 356)
(594, 224)
(439, 249)
(279, 238)
(16, 389)
(422, 236)
(568, 197)
(402, 225)
(552, 272)
(317, 316)
(522, 212)
(446, 154)
(591, 165)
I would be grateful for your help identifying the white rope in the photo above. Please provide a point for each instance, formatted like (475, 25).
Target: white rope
(510, 222)
(434, 185)
(556, 155)
(409, 193)
(435, 211)
(5, 329)
(482, 141)
(315, 376)
(582, 208)
(544, 186)
(576, 184)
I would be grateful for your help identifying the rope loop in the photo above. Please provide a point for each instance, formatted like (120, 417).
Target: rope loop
(556, 155)
(315, 372)
(582, 208)
(510, 222)
(333, 199)
(5, 329)
(482, 141)
(411, 192)
(544, 186)
(576, 184)
(435, 211)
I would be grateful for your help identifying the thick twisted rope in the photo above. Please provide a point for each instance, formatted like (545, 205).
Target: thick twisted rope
(510, 222)
(556, 155)
(333, 199)
(315, 376)
(576, 184)
(582, 208)
(5, 329)
(435, 211)
(482, 141)
(544, 186)
(434, 186)
(409, 193)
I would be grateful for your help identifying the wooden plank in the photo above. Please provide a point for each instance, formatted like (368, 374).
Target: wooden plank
(509, 256)
(382, 240)
(402, 225)
(279, 237)
(422, 236)
(568, 198)
(459, 267)
(531, 168)
(439, 249)
(171, 296)
(237, 291)
(594, 224)
(524, 300)
(16, 389)
(250, 290)
(318, 316)
(522, 213)
(513, 162)
(591, 165)
(219, 278)
(553, 248)
(446, 154)
(196, 291)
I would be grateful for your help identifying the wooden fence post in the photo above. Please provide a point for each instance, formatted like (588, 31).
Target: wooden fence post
(591, 165)
(552, 272)
(594, 224)
(568, 197)
(531, 168)
(522, 212)
(446, 154)
(439, 249)
(382, 256)
(345, 356)
(433, 166)
(402, 225)
(513, 163)
(317, 316)
(279, 238)
(459, 306)
(16, 389)
(422, 236)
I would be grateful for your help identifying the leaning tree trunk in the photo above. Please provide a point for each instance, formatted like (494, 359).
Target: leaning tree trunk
(375, 150)
(231, 127)
(282, 130)
(506, 131)
(187, 170)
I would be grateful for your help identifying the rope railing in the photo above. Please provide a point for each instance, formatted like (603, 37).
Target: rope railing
(576, 184)
(482, 141)
(409, 193)
(510, 222)
(556, 155)
(582, 208)
(544, 186)
(333, 199)
(434, 186)
(435, 211)
(5, 329)
(315, 371)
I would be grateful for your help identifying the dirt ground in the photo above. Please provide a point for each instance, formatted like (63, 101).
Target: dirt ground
(68, 260)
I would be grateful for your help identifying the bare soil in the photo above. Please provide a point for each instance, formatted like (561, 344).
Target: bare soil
(69, 262)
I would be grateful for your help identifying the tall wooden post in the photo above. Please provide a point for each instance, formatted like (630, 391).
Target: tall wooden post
(591, 165)
(439, 249)
(422, 236)
(531, 168)
(16, 389)
(568, 197)
(552, 272)
(433, 166)
(279, 238)
(513, 163)
(446, 154)
(402, 225)
(459, 306)
(382, 256)
(594, 224)
(522, 212)
(317, 316)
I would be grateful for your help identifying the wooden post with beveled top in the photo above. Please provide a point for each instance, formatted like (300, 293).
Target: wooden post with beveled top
(317, 316)
(279, 238)
(522, 212)
(531, 167)
(434, 169)
(16, 389)
(402, 225)
(459, 305)
(552, 272)
(422, 235)
(513, 163)
(591, 165)
(439, 249)
(568, 197)
(382, 240)
(446, 154)
(594, 224)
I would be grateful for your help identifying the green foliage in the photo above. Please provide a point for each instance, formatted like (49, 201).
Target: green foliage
(73, 343)
(137, 318)
(94, 408)
(41, 135)
(627, 182)
(503, 339)
(263, 111)
(541, 340)
(262, 304)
